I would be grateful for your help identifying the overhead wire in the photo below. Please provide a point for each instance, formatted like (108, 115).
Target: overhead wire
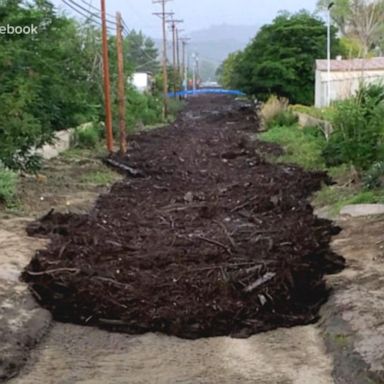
(74, 3)
(90, 5)
(89, 15)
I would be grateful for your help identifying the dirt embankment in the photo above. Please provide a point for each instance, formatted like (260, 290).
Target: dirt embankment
(211, 240)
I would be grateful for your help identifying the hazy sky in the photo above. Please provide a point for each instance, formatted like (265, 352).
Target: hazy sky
(197, 14)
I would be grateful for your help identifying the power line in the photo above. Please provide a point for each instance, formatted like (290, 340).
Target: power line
(85, 13)
(95, 17)
(87, 17)
(91, 13)
(90, 5)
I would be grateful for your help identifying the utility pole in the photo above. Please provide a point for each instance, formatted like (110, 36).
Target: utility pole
(178, 51)
(121, 84)
(163, 15)
(180, 62)
(330, 5)
(196, 70)
(184, 73)
(174, 53)
(107, 85)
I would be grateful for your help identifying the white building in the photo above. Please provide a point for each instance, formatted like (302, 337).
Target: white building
(142, 81)
(346, 77)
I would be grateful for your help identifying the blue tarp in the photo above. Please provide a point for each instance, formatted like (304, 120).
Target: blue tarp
(219, 91)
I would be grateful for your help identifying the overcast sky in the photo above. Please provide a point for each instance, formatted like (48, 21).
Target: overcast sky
(197, 14)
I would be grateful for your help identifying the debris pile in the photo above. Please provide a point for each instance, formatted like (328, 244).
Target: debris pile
(210, 240)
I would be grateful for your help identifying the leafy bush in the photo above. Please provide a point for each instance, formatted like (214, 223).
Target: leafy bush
(175, 106)
(142, 108)
(8, 181)
(51, 81)
(374, 177)
(284, 118)
(358, 129)
(87, 136)
(47, 81)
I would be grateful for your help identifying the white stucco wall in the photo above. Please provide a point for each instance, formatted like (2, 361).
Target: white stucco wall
(343, 84)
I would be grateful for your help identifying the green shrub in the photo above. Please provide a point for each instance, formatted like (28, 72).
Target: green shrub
(284, 118)
(41, 89)
(87, 136)
(374, 177)
(175, 106)
(142, 108)
(8, 182)
(358, 129)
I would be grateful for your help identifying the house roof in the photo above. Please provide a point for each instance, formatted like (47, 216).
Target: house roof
(372, 64)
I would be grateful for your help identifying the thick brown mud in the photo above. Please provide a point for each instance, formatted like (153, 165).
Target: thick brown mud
(210, 240)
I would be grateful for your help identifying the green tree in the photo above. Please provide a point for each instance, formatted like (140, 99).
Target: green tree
(280, 59)
(359, 20)
(226, 73)
(141, 52)
(44, 78)
(53, 79)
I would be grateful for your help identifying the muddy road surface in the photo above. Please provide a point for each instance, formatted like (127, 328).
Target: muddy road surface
(207, 240)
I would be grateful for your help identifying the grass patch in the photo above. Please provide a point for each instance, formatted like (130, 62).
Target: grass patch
(8, 185)
(302, 146)
(83, 154)
(336, 197)
(100, 178)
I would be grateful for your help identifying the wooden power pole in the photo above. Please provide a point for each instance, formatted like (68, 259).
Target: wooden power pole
(163, 15)
(107, 85)
(179, 71)
(175, 50)
(121, 84)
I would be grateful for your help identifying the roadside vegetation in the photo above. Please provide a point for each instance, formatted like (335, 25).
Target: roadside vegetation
(8, 184)
(51, 81)
(353, 154)
(325, 113)
(279, 60)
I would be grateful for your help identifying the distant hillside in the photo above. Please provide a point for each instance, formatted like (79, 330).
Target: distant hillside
(215, 43)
